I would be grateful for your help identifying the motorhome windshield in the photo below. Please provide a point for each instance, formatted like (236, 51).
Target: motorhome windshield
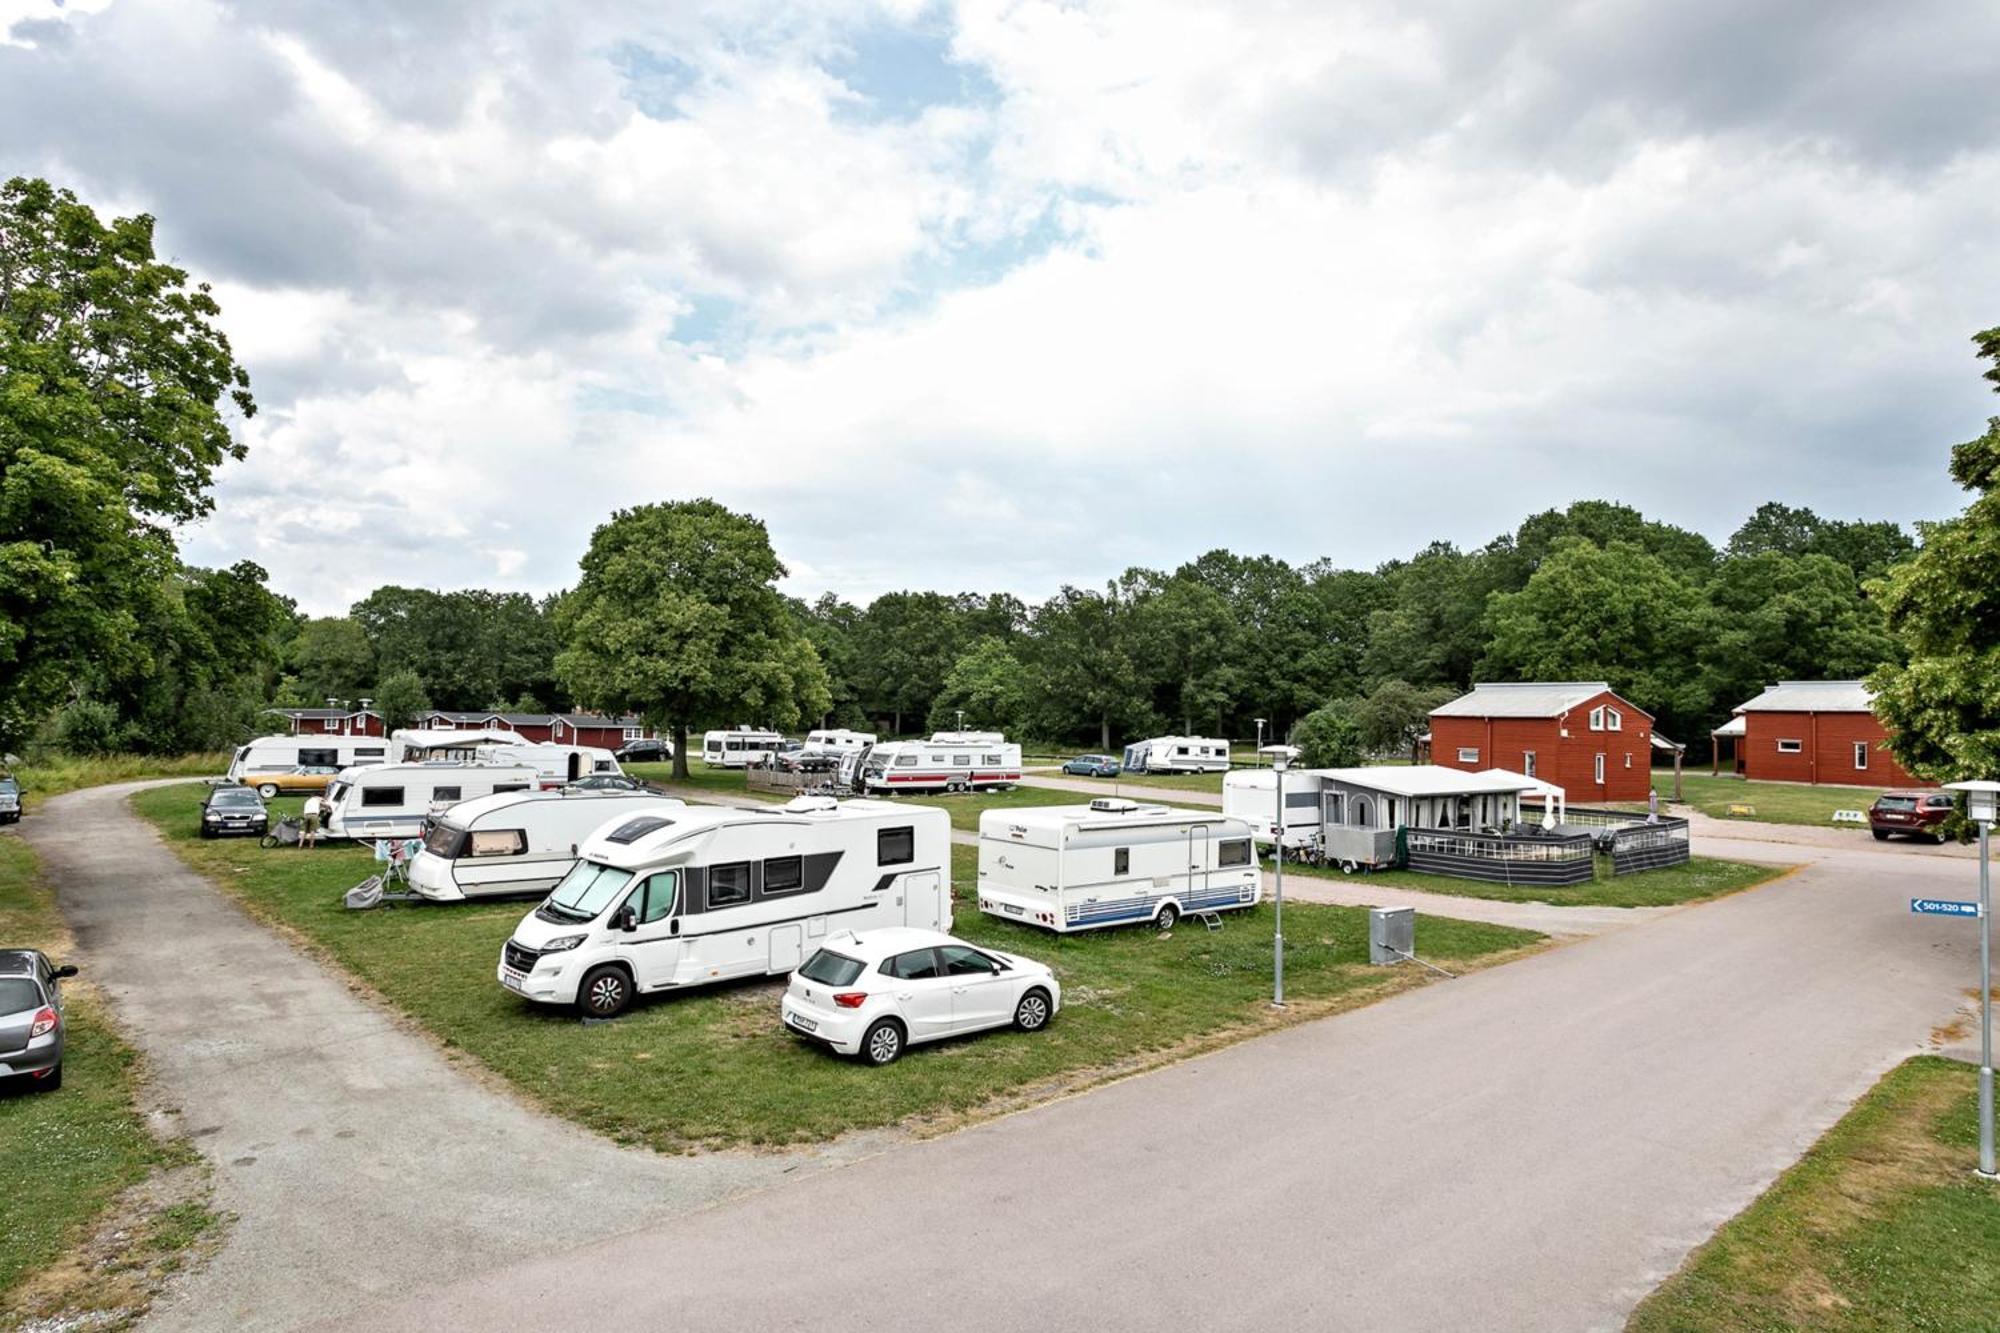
(444, 839)
(586, 890)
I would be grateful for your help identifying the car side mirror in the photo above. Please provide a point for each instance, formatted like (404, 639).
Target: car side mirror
(628, 919)
(66, 970)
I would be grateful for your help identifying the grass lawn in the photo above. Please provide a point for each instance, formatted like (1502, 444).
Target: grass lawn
(56, 774)
(66, 1155)
(1882, 1226)
(1702, 877)
(1775, 802)
(713, 1068)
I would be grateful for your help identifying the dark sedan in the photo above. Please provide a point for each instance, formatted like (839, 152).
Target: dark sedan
(1092, 766)
(646, 752)
(234, 810)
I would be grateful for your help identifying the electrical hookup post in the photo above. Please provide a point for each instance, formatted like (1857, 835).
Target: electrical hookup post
(1982, 803)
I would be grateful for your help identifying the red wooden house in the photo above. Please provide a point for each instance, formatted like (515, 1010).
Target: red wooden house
(1821, 731)
(362, 721)
(1580, 735)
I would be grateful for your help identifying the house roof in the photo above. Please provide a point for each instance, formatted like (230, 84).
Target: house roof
(1735, 726)
(317, 713)
(1812, 696)
(458, 717)
(593, 720)
(525, 719)
(1524, 699)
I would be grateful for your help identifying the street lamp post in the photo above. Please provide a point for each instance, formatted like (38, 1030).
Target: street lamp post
(1982, 802)
(1260, 737)
(1280, 759)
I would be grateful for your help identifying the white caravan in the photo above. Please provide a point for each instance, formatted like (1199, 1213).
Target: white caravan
(555, 762)
(1112, 862)
(1252, 794)
(832, 743)
(1178, 754)
(395, 800)
(688, 897)
(738, 747)
(281, 754)
(517, 842)
(934, 765)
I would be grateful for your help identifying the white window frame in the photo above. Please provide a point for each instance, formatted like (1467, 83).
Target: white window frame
(1791, 746)
(1861, 756)
(1597, 767)
(1614, 720)
(1597, 718)
(1628, 759)
(1528, 763)
(1468, 754)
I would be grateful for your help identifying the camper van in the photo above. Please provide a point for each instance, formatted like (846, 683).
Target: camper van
(395, 800)
(1178, 754)
(516, 842)
(934, 765)
(277, 755)
(555, 762)
(682, 898)
(1112, 862)
(1251, 794)
(738, 747)
(832, 743)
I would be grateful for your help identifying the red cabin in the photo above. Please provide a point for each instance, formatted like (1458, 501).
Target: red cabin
(1818, 731)
(1580, 735)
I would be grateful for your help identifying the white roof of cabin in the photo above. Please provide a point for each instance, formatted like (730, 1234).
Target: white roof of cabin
(1526, 699)
(1056, 817)
(1427, 780)
(1735, 726)
(1812, 696)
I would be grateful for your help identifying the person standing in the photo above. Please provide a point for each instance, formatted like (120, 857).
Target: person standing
(309, 834)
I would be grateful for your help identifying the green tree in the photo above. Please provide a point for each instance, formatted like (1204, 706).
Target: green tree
(1942, 706)
(677, 618)
(1083, 675)
(990, 685)
(1785, 617)
(400, 698)
(1867, 548)
(1330, 736)
(834, 626)
(1184, 640)
(1396, 713)
(114, 387)
(907, 643)
(330, 658)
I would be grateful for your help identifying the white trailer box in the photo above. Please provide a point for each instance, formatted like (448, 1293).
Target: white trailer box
(282, 754)
(1252, 794)
(1178, 754)
(738, 747)
(517, 842)
(934, 765)
(1113, 862)
(555, 762)
(396, 800)
(683, 898)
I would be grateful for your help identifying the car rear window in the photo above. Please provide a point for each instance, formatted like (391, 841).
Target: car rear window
(18, 994)
(1896, 803)
(235, 796)
(831, 969)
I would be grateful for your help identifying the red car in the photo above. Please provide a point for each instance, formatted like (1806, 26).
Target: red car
(1918, 813)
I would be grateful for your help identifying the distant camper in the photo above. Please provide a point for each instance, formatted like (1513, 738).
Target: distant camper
(832, 743)
(517, 842)
(1178, 754)
(395, 800)
(281, 754)
(739, 747)
(1112, 862)
(686, 898)
(556, 762)
(955, 765)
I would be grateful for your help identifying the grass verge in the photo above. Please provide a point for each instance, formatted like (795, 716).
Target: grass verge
(1774, 802)
(79, 1170)
(53, 775)
(1702, 877)
(713, 1068)
(1881, 1226)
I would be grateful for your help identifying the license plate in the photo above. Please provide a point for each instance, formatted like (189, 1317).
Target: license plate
(1011, 910)
(804, 1024)
(511, 979)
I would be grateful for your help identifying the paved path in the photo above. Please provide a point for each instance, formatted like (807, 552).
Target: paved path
(1531, 1147)
(358, 1161)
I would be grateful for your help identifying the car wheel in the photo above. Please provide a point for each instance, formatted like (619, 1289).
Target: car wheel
(1032, 1013)
(605, 992)
(1881, 834)
(883, 1043)
(49, 1082)
(1169, 914)
(1940, 839)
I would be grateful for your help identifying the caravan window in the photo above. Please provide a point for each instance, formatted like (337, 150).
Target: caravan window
(732, 744)
(784, 874)
(1121, 861)
(499, 842)
(443, 839)
(372, 752)
(318, 758)
(1232, 852)
(500, 788)
(729, 885)
(1180, 749)
(1301, 800)
(380, 796)
(654, 899)
(906, 761)
(991, 760)
(961, 761)
(896, 846)
(447, 793)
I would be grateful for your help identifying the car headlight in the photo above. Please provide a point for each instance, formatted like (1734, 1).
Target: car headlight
(562, 943)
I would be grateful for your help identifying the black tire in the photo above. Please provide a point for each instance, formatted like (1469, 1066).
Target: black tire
(606, 992)
(203, 832)
(1032, 1014)
(1881, 834)
(883, 1043)
(50, 1083)
(267, 790)
(1167, 917)
(268, 840)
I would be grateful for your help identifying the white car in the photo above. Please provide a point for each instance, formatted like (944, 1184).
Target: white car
(875, 993)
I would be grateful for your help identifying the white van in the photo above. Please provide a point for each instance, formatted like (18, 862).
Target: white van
(738, 747)
(396, 800)
(1178, 754)
(934, 765)
(1112, 862)
(282, 754)
(516, 842)
(682, 898)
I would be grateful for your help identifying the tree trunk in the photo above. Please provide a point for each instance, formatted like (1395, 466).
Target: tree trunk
(897, 730)
(681, 750)
(1104, 734)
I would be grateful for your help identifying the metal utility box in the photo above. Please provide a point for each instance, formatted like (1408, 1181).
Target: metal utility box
(1392, 934)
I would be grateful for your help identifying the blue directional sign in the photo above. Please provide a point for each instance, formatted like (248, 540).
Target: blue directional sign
(1942, 907)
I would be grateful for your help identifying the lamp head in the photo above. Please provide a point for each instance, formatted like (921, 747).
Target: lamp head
(1982, 799)
(1281, 756)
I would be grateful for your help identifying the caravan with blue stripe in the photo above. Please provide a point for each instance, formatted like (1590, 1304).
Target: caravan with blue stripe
(1112, 863)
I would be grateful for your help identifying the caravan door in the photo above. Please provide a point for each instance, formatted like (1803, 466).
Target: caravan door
(923, 901)
(1198, 863)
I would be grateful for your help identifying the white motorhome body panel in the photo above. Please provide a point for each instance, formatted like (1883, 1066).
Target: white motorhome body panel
(395, 800)
(555, 762)
(517, 842)
(739, 893)
(281, 754)
(1112, 862)
(738, 747)
(834, 741)
(1178, 754)
(902, 766)
(1251, 794)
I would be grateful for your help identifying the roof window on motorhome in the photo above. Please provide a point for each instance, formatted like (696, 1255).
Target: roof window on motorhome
(634, 829)
(381, 796)
(896, 846)
(729, 885)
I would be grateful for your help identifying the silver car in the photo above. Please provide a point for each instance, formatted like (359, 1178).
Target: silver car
(31, 1018)
(10, 800)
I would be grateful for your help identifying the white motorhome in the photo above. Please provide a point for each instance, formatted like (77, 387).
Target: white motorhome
(555, 762)
(516, 842)
(395, 800)
(683, 898)
(1112, 862)
(738, 747)
(281, 754)
(1252, 794)
(1178, 754)
(934, 765)
(833, 742)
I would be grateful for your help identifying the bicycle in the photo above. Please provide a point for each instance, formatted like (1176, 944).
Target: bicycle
(285, 833)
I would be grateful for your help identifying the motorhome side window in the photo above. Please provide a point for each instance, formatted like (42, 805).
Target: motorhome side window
(319, 758)
(1121, 861)
(447, 793)
(381, 796)
(896, 846)
(1233, 852)
(906, 761)
(375, 752)
(499, 842)
(784, 874)
(729, 885)
(961, 761)
(509, 786)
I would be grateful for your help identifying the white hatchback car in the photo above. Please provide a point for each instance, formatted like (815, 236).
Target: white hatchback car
(875, 993)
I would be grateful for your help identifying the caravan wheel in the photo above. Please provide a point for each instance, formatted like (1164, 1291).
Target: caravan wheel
(1169, 914)
(1349, 867)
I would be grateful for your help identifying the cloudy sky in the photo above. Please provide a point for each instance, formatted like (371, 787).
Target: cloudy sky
(1012, 293)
